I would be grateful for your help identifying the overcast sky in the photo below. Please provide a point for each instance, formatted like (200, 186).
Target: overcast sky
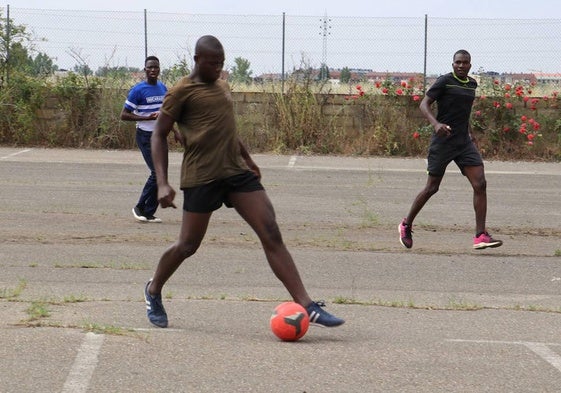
(510, 9)
(382, 35)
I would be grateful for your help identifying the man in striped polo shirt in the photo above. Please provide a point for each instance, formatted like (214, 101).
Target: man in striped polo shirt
(143, 106)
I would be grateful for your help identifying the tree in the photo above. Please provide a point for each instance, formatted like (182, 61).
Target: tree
(323, 72)
(176, 71)
(18, 58)
(15, 51)
(14, 40)
(42, 65)
(116, 72)
(82, 69)
(345, 75)
(241, 72)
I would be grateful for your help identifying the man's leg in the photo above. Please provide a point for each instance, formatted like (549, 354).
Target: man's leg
(148, 201)
(193, 229)
(405, 227)
(192, 232)
(476, 177)
(431, 188)
(438, 158)
(256, 209)
(482, 239)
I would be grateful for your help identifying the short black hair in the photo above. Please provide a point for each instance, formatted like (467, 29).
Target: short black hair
(461, 52)
(151, 58)
(208, 43)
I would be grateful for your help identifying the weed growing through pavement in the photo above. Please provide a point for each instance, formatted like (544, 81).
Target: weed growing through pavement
(37, 310)
(106, 329)
(75, 299)
(368, 218)
(103, 265)
(463, 305)
(11, 293)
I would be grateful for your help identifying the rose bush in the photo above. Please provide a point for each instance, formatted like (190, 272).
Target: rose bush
(509, 120)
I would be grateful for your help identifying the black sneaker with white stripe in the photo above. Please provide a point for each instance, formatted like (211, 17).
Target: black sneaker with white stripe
(320, 317)
(154, 308)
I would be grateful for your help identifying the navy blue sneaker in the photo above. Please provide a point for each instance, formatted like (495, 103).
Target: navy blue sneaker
(320, 317)
(154, 308)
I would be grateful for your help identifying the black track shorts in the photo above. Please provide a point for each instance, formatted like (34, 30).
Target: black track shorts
(442, 154)
(210, 197)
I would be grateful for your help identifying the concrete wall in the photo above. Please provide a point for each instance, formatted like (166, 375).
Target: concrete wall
(349, 115)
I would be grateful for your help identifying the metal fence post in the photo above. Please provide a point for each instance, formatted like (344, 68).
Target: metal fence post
(425, 57)
(145, 35)
(8, 32)
(283, 49)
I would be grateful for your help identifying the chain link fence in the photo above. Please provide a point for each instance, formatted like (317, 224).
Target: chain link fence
(276, 45)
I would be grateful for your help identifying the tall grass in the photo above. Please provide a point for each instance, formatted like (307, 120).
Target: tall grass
(300, 123)
(307, 118)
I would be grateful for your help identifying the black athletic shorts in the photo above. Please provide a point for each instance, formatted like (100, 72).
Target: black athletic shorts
(442, 154)
(210, 197)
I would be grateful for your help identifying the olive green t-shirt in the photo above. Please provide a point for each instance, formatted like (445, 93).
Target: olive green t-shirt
(204, 114)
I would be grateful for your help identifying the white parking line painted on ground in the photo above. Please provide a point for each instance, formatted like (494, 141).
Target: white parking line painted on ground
(15, 154)
(501, 342)
(540, 349)
(546, 354)
(292, 165)
(451, 169)
(78, 379)
(292, 161)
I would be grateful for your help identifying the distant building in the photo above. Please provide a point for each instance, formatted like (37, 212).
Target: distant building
(269, 77)
(367, 75)
(516, 78)
(543, 77)
(61, 72)
(373, 76)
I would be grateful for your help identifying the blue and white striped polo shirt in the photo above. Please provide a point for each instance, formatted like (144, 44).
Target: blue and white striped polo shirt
(144, 99)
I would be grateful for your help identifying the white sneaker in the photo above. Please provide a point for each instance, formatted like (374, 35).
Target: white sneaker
(152, 219)
(138, 215)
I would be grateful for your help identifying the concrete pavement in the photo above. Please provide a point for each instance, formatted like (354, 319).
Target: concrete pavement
(440, 317)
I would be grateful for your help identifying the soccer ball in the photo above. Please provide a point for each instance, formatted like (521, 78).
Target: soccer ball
(289, 321)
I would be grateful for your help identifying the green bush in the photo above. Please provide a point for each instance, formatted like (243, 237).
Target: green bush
(84, 110)
(299, 122)
(93, 106)
(19, 103)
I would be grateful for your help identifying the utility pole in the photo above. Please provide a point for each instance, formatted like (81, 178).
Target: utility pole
(325, 31)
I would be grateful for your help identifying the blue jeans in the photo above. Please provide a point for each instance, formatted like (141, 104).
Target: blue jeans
(148, 202)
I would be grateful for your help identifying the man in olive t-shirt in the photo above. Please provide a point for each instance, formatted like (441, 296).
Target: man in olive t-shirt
(217, 169)
(205, 117)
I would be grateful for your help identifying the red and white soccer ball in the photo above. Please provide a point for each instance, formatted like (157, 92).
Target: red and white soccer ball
(290, 321)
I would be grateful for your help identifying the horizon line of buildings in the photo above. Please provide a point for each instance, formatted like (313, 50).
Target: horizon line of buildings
(357, 75)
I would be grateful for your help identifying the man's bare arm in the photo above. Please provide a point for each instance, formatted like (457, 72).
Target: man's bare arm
(159, 147)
